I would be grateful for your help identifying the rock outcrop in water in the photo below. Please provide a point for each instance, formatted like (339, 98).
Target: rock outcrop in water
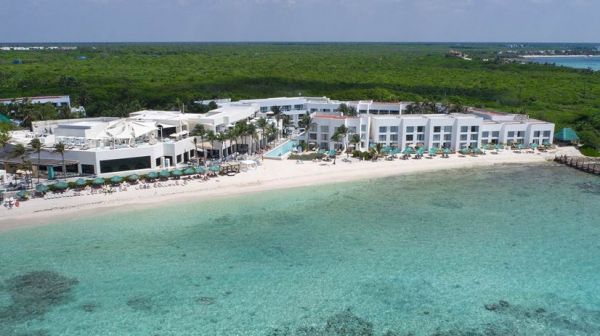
(33, 294)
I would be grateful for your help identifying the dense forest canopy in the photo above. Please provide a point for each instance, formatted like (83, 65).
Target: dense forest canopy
(114, 79)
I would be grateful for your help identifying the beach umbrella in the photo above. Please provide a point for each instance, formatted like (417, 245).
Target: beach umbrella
(164, 173)
(200, 170)
(152, 175)
(520, 146)
(80, 182)
(546, 143)
(21, 194)
(133, 178)
(177, 172)
(497, 147)
(331, 153)
(189, 171)
(476, 150)
(464, 151)
(446, 151)
(421, 151)
(116, 179)
(61, 185)
(534, 145)
(433, 151)
(98, 181)
(408, 150)
(41, 188)
(215, 169)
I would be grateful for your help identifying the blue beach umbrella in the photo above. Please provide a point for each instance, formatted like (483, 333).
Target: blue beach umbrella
(61, 185)
(116, 179)
(98, 181)
(164, 173)
(41, 188)
(80, 182)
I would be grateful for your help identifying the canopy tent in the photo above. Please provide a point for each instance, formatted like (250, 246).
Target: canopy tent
(566, 135)
(127, 129)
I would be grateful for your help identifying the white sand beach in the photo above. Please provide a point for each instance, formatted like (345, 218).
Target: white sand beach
(272, 174)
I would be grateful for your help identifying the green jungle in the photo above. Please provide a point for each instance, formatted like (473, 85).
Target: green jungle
(115, 79)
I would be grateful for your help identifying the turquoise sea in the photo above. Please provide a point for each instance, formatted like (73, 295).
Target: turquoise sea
(508, 250)
(578, 62)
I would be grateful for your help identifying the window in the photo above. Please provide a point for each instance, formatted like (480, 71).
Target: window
(324, 129)
(496, 134)
(312, 136)
(463, 137)
(464, 129)
(313, 110)
(382, 129)
(475, 129)
(474, 136)
(286, 107)
(394, 112)
(536, 134)
(409, 137)
(264, 109)
(484, 142)
(473, 144)
(447, 137)
(325, 137)
(410, 129)
(352, 130)
(511, 134)
(313, 127)
(382, 137)
(420, 129)
(394, 129)
(547, 134)
(448, 129)
(299, 107)
(362, 111)
(324, 145)
(383, 111)
(520, 134)
(394, 137)
(363, 128)
(437, 129)
(485, 134)
(420, 137)
(436, 137)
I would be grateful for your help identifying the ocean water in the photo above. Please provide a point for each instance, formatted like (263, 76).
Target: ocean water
(500, 251)
(578, 62)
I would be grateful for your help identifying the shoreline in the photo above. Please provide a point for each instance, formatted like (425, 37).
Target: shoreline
(558, 56)
(272, 175)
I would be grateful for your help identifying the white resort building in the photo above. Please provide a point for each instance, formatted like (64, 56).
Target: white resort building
(149, 140)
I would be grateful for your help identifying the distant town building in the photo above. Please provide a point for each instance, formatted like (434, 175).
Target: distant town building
(57, 101)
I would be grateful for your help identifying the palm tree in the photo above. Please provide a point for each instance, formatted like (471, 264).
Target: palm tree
(60, 149)
(343, 132)
(200, 131)
(253, 134)
(4, 137)
(19, 151)
(278, 116)
(36, 146)
(336, 137)
(222, 137)
(355, 140)
(212, 137)
(263, 124)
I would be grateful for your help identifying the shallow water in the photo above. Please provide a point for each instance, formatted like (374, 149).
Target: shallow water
(582, 62)
(498, 251)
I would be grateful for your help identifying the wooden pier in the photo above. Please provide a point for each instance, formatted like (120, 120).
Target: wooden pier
(586, 164)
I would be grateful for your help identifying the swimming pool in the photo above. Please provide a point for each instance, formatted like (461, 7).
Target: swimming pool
(280, 151)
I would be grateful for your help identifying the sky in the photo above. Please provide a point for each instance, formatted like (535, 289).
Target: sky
(299, 20)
